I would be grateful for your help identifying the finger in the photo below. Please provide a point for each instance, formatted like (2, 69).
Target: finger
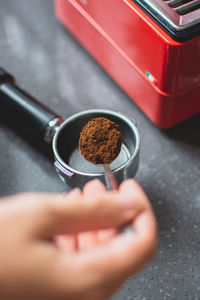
(94, 238)
(133, 188)
(69, 214)
(94, 186)
(106, 267)
(87, 240)
(67, 243)
(125, 254)
(105, 235)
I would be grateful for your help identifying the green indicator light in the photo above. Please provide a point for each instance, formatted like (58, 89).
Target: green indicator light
(150, 77)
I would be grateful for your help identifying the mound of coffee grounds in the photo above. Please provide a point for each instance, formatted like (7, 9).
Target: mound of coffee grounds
(100, 141)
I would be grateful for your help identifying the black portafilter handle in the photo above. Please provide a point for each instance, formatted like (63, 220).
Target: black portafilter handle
(29, 109)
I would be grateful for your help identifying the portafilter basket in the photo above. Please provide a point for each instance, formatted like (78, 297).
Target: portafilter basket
(72, 168)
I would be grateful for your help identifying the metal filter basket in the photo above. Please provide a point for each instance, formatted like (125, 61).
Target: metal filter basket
(74, 169)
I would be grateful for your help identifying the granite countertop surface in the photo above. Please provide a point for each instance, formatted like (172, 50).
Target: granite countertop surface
(49, 63)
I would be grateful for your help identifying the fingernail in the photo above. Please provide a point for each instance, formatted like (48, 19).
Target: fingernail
(95, 181)
(126, 201)
(76, 190)
(95, 184)
(74, 193)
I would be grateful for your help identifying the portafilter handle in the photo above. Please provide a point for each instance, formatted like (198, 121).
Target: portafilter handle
(40, 118)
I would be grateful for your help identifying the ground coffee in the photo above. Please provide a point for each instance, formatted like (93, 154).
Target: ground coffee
(100, 141)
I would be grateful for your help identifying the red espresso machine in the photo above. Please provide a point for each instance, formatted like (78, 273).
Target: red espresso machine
(150, 48)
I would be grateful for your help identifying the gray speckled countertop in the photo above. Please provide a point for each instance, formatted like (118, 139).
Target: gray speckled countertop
(53, 67)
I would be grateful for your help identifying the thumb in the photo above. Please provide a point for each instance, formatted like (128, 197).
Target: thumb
(75, 212)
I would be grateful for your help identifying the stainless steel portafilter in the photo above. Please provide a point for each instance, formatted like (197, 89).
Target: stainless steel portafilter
(63, 135)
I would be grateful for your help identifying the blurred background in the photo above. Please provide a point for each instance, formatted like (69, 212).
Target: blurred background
(49, 63)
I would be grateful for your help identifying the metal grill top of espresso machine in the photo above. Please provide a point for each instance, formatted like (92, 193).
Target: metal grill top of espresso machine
(181, 18)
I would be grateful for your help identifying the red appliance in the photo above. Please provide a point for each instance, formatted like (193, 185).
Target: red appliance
(150, 48)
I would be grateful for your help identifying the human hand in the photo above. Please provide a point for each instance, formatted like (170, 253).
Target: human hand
(34, 266)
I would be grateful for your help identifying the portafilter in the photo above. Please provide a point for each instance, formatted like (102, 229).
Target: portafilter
(63, 136)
